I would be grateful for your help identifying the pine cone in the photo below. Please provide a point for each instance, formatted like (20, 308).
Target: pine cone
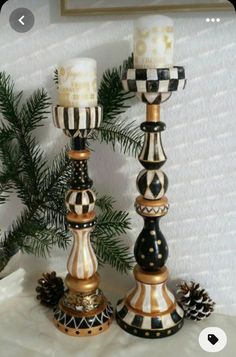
(195, 301)
(50, 289)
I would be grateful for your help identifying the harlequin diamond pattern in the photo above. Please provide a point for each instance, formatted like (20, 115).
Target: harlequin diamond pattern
(152, 184)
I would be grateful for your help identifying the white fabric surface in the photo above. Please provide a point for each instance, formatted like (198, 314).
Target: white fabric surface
(199, 141)
(26, 330)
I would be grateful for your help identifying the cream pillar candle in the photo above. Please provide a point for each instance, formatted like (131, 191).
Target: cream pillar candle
(153, 42)
(77, 83)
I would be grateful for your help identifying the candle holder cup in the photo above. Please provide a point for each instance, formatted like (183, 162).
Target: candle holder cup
(83, 310)
(150, 310)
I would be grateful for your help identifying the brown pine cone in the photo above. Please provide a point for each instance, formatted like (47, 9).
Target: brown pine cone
(50, 289)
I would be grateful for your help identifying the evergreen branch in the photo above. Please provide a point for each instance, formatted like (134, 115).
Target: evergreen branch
(108, 247)
(6, 134)
(111, 250)
(105, 203)
(11, 174)
(43, 239)
(112, 222)
(9, 100)
(31, 235)
(4, 257)
(5, 189)
(128, 136)
(34, 110)
(56, 178)
(31, 162)
(112, 96)
(55, 77)
(53, 215)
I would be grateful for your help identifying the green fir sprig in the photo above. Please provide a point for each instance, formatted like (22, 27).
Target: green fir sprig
(41, 187)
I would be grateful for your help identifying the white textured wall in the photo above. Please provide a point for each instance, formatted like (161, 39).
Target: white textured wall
(199, 140)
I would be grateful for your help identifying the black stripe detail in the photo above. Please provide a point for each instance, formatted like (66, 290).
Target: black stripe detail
(137, 321)
(165, 186)
(66, 118)
(96, 117)
(162, 149)
(78, 200)
(91, 199)
(56, 117)
(156, 323)
(87, 117)
(156, 154)
(67, 198)
(123, 312)
(175, 317)
(144, 154)
(76, 118)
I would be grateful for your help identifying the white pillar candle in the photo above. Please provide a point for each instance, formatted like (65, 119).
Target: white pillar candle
(77, 83)
(153, 42)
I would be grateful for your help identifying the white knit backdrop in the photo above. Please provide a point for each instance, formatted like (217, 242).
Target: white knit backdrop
(199, 141)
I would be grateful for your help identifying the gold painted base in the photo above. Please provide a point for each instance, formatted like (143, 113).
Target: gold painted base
(83, 332)
(150, 310)
(78, 324)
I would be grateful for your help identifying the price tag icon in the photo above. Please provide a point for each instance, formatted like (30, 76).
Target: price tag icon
(212, 339)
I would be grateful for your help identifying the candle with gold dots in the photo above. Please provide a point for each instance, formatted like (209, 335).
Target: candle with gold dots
(153, 42)
(77, 83)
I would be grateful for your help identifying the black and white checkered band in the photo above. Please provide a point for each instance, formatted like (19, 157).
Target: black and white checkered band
(157, 80)
(77, 119)
(80, 202)
(149, 326)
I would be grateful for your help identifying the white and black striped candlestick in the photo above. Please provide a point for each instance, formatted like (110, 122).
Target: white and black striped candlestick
(83, 310)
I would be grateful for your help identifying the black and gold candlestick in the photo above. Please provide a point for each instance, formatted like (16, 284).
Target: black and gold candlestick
(83, 310)
(150, 310)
